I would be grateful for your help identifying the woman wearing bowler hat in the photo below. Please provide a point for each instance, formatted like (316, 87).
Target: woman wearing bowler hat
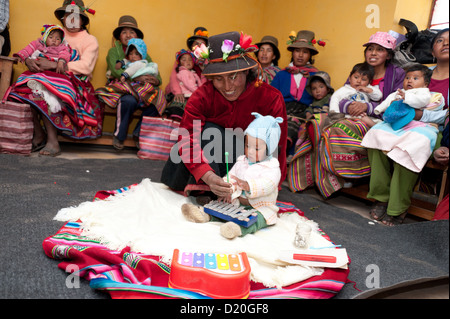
(81, 114)
(268, 55)
(127, 29)
(223, 104)
(292, 81)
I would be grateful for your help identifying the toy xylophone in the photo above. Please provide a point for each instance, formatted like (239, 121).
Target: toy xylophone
(220, 276)
(229, 212)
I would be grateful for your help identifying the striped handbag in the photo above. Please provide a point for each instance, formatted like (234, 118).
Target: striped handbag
(156, 138)
(16, 127)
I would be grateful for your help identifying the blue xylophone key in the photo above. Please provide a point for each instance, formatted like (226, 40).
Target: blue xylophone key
(199, 260)
(210, 261)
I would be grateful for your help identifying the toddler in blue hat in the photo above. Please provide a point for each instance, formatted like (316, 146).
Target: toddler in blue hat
(399, 107)
(135, 63)
(255, 177)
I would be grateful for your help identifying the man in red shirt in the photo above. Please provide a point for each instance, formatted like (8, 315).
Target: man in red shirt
(223, 105)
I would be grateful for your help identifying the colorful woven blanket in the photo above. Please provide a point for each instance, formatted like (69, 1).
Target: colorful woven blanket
(127, 274)
(81, 115)
(143, 92)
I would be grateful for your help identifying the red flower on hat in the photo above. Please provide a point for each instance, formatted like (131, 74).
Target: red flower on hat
(245, 43)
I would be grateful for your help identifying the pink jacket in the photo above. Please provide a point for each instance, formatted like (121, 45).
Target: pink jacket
(62, 51)
(189, 81)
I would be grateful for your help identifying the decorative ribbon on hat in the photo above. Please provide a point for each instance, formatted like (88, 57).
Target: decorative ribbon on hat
(304, 70)
(244, 48)
(293, 39)
(87, 9)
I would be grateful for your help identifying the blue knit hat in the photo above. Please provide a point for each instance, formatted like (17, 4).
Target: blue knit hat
(140, 46)
(266, 128)
(398, 114)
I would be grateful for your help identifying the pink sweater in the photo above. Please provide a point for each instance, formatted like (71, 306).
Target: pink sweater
(189, 81)
(87, 47)
(61, 51)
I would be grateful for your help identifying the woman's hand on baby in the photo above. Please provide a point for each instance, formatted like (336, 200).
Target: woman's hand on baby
(178, 98)
(147, 79)
(357, 108)
(61, 67)
(32, 65)
(217, 185)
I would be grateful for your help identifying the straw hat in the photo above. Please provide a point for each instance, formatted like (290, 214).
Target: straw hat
(127, 22)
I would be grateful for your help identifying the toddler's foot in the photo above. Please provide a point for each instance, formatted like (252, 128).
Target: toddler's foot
(194, 213)
(230, 230)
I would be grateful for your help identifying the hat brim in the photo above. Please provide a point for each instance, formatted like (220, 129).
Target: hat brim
(191, 40)
(381, 45)
(236, 65)
(298, 45)
(118, 30)
(59, 13)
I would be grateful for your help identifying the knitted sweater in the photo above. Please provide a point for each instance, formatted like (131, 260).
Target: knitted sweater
(208, 105)
(263, 179)
(37, 47)
(87, 47)
(189, 81)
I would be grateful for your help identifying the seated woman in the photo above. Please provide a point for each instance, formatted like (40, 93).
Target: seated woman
(216, 116)
(268, 56)
(291, 82)
(127, 104)
(174, 92)
(81, 114)
(392, 184)
(338, 154)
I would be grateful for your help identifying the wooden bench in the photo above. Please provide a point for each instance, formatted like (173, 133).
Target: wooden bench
(422, 205)
(6, 69)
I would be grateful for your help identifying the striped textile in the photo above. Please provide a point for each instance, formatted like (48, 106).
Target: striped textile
(16, 128)
(129, 275)
(143, 92)
(81, 116)
(331, 153)
(156, 138)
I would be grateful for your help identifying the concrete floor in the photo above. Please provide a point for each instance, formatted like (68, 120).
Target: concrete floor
(438, 289)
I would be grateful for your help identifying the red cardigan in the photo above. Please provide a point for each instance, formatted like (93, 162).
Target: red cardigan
(208, 105)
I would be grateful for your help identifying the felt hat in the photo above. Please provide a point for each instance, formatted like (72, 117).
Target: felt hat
(266, 128)
(268, 39)
(182, 52)
(384, 39)
(140, 46)
(199, 33)
(66, 7)
(127, 21)
(48, 28)
(304, 39)
(229, 52)
(322, 75)
(398, 114)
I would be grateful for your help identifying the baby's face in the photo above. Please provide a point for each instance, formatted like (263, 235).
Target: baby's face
(255, 149)
(133, 55)
(357, 79)
(414, 80)
(318, 90)
(186, 61)
(54, 39)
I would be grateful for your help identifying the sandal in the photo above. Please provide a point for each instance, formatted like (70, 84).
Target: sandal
(378, 211)
(394, 220)
(38, 147)
(118, 145)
